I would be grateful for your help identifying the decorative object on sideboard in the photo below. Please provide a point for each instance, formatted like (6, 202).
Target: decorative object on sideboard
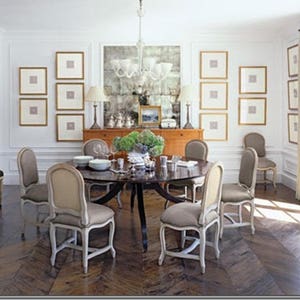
(96, 95)
(150, 115)
(186, 96)
(141, 142)
(141, 69)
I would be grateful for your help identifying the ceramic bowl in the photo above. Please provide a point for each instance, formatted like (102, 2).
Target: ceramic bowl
(82, 160)
(100, 164)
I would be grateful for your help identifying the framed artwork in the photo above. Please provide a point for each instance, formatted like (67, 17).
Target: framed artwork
(292, 54)
(252, 111)
(213, 64)
(69, 96)
(293, 128)
(33, 81)
(69, 127)
(70, 65)
(149, 115)
(215, 126)
(293, 94)
(33, 112)
(213, 95)
(253, 80)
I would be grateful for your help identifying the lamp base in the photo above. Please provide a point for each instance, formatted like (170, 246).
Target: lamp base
(95, 126)
(188, 125)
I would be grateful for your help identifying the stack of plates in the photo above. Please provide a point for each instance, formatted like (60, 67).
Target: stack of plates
(82, 160)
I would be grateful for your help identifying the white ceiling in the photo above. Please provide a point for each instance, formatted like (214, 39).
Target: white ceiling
(188, 15)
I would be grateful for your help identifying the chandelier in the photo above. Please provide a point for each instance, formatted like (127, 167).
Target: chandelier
(142, 69)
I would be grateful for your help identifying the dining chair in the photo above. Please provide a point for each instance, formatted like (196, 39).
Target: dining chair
(197, 217)
(89, 148)
(32, 191)
(194, 149)
(240, 193)
(257, 141)
(70, 210)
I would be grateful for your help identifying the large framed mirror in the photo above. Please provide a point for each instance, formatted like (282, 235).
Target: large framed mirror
(127, 94)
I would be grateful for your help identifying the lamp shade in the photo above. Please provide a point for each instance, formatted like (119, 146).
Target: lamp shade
(186, 94)
(96, 94)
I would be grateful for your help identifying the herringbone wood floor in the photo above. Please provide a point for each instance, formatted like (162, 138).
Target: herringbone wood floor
(267, 263)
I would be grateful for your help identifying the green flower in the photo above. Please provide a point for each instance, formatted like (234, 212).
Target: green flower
(144, 141)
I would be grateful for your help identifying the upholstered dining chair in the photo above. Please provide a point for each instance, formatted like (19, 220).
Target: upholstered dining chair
(32, 191)
(194, 149)
(197, 217)
(70, 210)
(88, 148)
(240, 193)
(257, 141)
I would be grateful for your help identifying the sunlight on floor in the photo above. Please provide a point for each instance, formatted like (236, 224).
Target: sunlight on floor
(276, 210)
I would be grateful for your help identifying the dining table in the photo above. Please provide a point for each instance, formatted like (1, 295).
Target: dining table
(141, 178)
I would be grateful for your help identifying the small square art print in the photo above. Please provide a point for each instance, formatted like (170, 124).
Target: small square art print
(33, 112)
(69, 127)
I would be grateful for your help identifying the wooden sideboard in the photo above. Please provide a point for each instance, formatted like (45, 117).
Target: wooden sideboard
(175, 139)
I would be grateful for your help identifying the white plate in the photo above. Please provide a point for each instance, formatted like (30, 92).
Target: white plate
(82, 160)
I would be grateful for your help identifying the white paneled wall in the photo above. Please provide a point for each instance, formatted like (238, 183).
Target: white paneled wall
(27, 49)
(289, 150)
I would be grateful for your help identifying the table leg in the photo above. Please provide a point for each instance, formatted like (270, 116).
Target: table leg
(140, 198)
(132, 196)
(113, 192)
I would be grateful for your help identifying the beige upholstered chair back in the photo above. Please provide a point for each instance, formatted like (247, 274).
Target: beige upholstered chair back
(27, 167)
(88, 147)
(66, 192)
(248, 168)
(256, 141)
(212, 191)
(196, 149)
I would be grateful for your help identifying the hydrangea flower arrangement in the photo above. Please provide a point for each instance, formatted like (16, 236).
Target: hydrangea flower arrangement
(141, 142)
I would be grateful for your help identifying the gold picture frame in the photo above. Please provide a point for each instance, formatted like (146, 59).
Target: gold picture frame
(33, 81)
(215, 126)
(70, 65)
(149, 115)
(293, 128)
(214, 95)
(69, 96)
(33, 112)
(213, 64)
(293, 94)
(253, 79)
(292, 55)
(69, 127)
(252, 111)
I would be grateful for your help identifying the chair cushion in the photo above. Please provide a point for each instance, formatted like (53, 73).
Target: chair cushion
(98, 214)
(232, 192)
(264, 163)
(37, 193)
(186, 214)
(189, 182)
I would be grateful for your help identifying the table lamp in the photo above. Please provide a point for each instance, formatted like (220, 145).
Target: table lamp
(96, 94)
(185, 96)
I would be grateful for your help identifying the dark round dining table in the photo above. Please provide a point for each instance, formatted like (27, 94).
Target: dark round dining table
(144, 178)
